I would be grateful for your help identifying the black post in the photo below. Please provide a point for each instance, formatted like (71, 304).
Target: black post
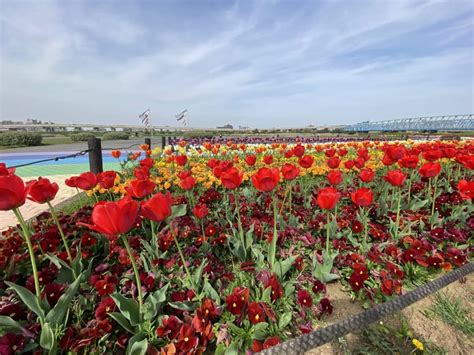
(95, 155)
(148, 141)
(163, 142)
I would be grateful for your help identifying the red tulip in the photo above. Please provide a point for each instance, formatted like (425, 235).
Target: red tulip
(187, 183)
(298, 150)
(466, 160)
(395, 177)
(41, 190)
(268, 159)
(200, 211)
(86, 181)
(266, 179)
(430, 170)
(140, 188)
(409, 161)
(116, 154)
(334, 162)
(181, 159)
(466, 189)
(250, 160)
(158, 207)
(142, 173)
(330, 152)
(107, 179)
(231, 178)
(306, 161)
(327, 198)
(334, 177)
(349, 164)
(366, 175)
(289, 171)
(148, 162)
(71, 182)
(362, 197)
(6, 171)
(432, 155)
(395, 152)
(12, 192)
(113, 218)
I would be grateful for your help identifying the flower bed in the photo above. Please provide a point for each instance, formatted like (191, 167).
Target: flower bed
(229, 247)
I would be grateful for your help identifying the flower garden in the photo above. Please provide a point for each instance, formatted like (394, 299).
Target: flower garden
(228, 247)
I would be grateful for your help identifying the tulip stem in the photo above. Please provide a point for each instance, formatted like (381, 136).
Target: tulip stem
(26, 235)
(397, 223)
(135, 271)
(366, 232)
(327, 232)
(63, 237)
(435, 183)
(239, 223)
(275, 233)
(182, 258)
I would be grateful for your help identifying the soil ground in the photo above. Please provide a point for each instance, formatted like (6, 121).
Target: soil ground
(430, 329)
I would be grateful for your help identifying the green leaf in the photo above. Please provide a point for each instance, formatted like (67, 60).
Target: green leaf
(210, 292)
(259, 330)
(266, 296)
(184, 306)
(137, 345)
(198, 273)
(47, 337)
(28, 298)
(9, 322)
(284, 320)
(233, 349)
(235, 329)
(282, 267)
(177, 211)
(120, 319)
(153, 301)
(128, 307)
(57, 314)
(418, 204)
(77, 263)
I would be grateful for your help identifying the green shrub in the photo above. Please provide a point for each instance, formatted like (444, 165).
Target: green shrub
(198, 134)
(110, 136)
(14, 139)
(81, 137)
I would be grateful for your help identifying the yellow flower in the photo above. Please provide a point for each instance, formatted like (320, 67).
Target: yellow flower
(418, 344)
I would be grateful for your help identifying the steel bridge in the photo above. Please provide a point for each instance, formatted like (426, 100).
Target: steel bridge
(431, 123)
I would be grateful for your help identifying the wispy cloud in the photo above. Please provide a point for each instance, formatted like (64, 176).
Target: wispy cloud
(265, 63)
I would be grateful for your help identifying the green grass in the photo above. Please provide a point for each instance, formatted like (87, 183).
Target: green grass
(74, 203)
(452, 312)
(383, 338)
(63, 169)
(60, 139)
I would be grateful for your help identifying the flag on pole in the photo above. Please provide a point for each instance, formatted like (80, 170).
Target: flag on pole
(182, 117)
(145, 117)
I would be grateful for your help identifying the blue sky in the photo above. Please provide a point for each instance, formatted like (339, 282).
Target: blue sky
(253, 63)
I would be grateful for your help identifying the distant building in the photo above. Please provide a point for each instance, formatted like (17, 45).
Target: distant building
(7, 122)
(244, 127)
(227, 126)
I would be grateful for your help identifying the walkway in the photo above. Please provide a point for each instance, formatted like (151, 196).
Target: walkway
(31, 209)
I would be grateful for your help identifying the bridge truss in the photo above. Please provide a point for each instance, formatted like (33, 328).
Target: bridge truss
(432, 123)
